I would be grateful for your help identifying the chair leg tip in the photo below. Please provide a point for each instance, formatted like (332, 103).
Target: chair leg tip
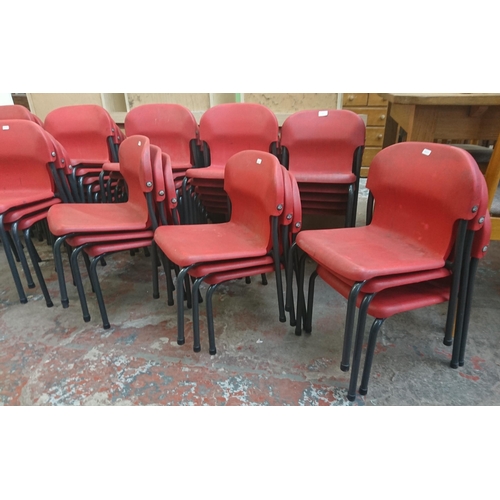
(363, 392)
(65, 304)
(447, 342)
(50, 304)
(181, 342)
(31, 285)
(461, 363)
(24, 301)
(453, 365)
(106, 326)
(351, 398)
(156, 295)
(86, 319)
(212, 351)
(170, 302)
(197, 349)
(344, 368)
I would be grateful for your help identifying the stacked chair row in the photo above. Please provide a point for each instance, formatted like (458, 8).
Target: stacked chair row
(427, 220)
(323, 149)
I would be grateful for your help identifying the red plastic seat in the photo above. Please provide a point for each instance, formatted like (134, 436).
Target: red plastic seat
(27, 188)
(225, 130)
(323, 149)
(425, 195)
(90, 137)
(252, 179)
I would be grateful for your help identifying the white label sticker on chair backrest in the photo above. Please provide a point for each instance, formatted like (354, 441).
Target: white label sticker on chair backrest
(5, 127)
(259, 161)
(426, 152)
(322, 113)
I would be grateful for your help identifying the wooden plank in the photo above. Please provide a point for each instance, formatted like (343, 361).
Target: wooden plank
(194, 102)
(374, 136)
(375, 117)
(289, 103)
(349, 100)
(376, 100)
(42, 104)
(444, 99)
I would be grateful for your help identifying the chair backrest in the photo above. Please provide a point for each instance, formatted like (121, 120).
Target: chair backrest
(25, 155)
(322, 140)
(136, 169)
(233, 127)
(254, 183)
(85, 131)
(18, 112)
(421, 190)
(169, 126)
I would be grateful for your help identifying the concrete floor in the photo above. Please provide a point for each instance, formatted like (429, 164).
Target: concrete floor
(49, 356)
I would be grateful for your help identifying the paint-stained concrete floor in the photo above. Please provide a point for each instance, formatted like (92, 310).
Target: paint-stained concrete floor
(50, 356)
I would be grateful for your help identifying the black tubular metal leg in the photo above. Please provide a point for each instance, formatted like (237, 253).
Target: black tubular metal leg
(210, 319)
(78, 281)
(277, 270)
(154, 271)
(349, 325)
(34, 260)
(181, 277)
(289, 280)
(301, 312)
(350, 208)
(60, 270)
(462, 300)
(358, 346)
(310, 301)
(370, 351)
(468, 304)
(196, 315)
(98, 291)
(12, 264)
(455, 284)
(20, 252)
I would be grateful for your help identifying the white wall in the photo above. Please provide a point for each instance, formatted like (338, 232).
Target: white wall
(5, 99)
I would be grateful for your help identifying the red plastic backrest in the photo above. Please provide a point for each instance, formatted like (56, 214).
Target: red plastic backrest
(169, 126)
(234, 127)
(25, 152)
(297, 206)
(254, 183)
(157, 171)
(83, 131)
(18, 112)
(322, 140)
(136, 169)
(421, 190)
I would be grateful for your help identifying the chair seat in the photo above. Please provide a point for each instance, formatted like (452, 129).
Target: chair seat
(95, 238)
(102, 217)
(347, 252)
(20, 198)
(211, 172)
(209, 242)
(324, 177)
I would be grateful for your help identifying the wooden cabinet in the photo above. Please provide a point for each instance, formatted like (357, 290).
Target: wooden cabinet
(374, 108)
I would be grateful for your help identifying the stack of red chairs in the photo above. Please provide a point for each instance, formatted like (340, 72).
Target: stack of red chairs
(102, 229)
(225, 130)
(91, 139)
(430, 200)
(27, 191)
(323, 149)
(251, 179)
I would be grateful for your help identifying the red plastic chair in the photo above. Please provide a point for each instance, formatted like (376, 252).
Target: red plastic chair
(18, 112)
(27, 190)
(399, 299)
(91, 138)
(425, 195)
(323, 149)
(290, 223)
(225, 130)
(121, 220)
(96, 247)
(173, 128)
(252, 179)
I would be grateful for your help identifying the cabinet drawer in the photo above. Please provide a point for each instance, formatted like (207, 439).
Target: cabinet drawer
(374, 136)
(375, 117)
(368, 155)
(376, 100)
(354, 100)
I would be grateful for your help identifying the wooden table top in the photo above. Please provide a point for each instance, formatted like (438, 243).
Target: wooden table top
(444, 99)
